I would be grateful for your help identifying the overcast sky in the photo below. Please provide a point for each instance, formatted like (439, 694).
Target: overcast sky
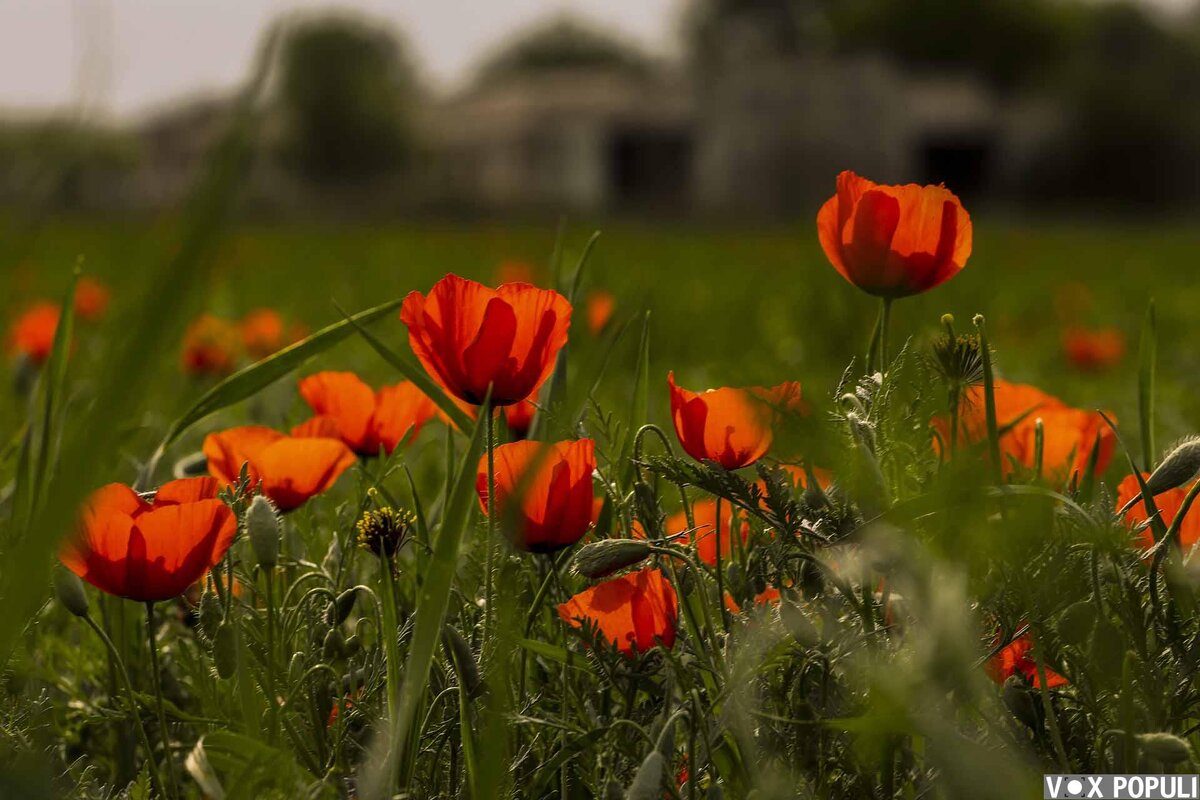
(143, 53)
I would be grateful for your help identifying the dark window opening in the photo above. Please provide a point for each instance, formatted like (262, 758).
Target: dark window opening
(961, 163)
(650, 169)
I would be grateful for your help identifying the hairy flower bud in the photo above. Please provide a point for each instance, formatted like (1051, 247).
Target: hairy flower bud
(1165, 747)
(225, 648)
(70, 592)
(464, 660)
(211, 614)
(1179, 467)
(262, 526)
(603, 558)
(647, 783)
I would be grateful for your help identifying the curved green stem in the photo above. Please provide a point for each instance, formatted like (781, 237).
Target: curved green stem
(158, 695)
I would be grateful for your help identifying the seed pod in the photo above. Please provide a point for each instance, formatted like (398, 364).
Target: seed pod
(1165, 747)
(464, 660)
(647, 783)
(603, 558)
(211, 614)
(1076, 623)
(262, 527)
(70, 592)
(225, 648)
(1179, 467)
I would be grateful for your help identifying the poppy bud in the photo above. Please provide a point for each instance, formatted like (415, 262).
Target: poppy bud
(352, 644)
(1020, 701)
(211, 614)
(1076, 623)
(458, 649)
(1165, 747)
(1179, 467)
(70, 592)
(603, 558)
(225, 654)
(296, 666)
(798, 623)
(333, 644)
(647, 783)
(262, 526)
(383, 531)
(340, 610)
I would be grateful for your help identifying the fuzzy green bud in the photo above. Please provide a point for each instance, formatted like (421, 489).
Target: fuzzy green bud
(1179, 467)
(225, 647)
(1076, 623)
(647, 783)
(262, 527)
(70, 592)
(339, 612)
(603, 558)
(1165, 747)
(211, 614)
(464, 660)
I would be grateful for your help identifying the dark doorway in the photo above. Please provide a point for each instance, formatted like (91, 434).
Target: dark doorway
(961, 163)
(650, 169)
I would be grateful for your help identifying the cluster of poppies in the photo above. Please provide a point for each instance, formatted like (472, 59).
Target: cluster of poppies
(213, 345)
(32, 333)
(499, 346)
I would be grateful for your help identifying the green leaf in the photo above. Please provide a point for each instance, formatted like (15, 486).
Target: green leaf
(555, 653)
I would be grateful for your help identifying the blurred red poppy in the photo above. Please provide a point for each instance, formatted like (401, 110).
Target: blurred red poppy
(91, 299)
(1094, 350)
(210, 346)
(1015, 659)
(704, 514)
(733, 427)
(32, 334)
(468, 337)
(1168, 504)
(364, 419)
(519, 418)
(1069, 433)
(262, 332)
(516, 271)
(291, 468)
(556, 509)
(599, 305)
(635, 611)
(894, 241)
(150, 550)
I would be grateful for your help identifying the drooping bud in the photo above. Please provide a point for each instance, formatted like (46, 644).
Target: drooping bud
(211, 614)
(225, 648)
(262, 527)
(333, 644)
(1076, 623)
(70, 592)
(340, 610)
(383, 531)
(1020, 700)
(603, 558)
(1165, 747)
(647, 783)
(1180, 466)
(458, 649)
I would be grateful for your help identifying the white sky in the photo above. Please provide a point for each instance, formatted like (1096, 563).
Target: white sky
(143, 53)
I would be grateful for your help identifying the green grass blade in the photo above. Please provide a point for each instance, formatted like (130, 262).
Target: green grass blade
(1147, 355)
(432, 604)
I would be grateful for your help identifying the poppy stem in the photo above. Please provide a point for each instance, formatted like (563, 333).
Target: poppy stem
(720, 574)
(885, 321)
(158, 694)
(491, 525)
(115, 656)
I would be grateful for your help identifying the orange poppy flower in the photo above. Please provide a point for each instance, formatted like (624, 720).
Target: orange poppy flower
(1094, 351)
(894, 241)
(291, 468)
(210, 346)
(91, 299)
(635, 611)
(519, 418)
(704, 513)
(363, 418)
(732, 427)
(1069, 433)
(516, 271)
(556, 510)
(468, 337)
(600, 305)
(767, 597)
(1015, 659)
(1168, 504)
(150, 551)
(33, 332)
(262, 332)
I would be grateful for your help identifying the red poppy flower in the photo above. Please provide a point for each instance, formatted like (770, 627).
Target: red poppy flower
(519, 418)
(767, 597)
(894, 241)
(1094, 351)
(291, 468)
(635, 611)
(91, 299)
(210, 346)
(704, 538)
(363, 418)
(1168, 504)
(516, 271)
(1069, 433)
(1015, 659)
(732, 427)
(556, 509)
(32, 333)
(262, 332)
(600, 305)
(150, 551)
(468, 337)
